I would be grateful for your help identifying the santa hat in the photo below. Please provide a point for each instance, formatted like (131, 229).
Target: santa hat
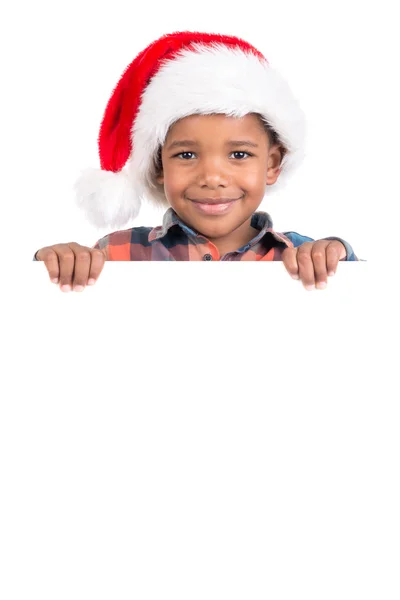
(178, 75)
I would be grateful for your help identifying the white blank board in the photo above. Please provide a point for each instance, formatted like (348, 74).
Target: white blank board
(196, 430)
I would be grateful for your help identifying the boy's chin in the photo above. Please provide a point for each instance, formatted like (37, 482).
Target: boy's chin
(216, 227)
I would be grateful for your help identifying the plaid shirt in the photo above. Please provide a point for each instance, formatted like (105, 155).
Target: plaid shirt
(174, 240)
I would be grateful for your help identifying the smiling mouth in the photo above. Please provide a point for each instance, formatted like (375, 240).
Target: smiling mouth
(215, 206)
(215, 201)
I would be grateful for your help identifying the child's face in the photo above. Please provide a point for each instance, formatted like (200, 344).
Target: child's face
(214, 157)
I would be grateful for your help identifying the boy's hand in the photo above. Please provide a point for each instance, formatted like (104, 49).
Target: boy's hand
(72, 265)
(312, 262)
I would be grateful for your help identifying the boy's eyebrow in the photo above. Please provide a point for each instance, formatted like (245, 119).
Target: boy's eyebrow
(242, 143)
(180, 143)
(191, 143)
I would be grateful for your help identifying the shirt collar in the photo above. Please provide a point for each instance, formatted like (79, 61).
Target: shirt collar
(170, 220)
(259, 220)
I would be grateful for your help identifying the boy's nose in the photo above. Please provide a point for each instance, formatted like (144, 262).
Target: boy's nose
(212, 174)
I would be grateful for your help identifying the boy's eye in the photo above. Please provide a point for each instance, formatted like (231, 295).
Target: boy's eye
(239, 154)
(181, 155)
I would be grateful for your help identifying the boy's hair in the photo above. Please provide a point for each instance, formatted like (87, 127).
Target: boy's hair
(273, 139)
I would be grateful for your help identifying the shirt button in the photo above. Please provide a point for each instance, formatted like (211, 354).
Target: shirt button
(207, 257)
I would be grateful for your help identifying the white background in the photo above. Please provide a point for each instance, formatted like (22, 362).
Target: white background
(187, 430)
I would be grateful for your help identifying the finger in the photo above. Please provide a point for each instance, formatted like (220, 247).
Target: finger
(97, 264)
(318, 255)
(82, 266)
(332, 257)
(290, 261)
(305, 264)
(66, 258)
(50, 259)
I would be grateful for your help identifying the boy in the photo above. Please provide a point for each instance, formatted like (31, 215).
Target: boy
(203, 126)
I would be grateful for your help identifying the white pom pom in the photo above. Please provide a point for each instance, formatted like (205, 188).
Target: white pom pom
(108, 199)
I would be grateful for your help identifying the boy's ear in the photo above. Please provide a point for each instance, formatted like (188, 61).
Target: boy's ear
(274, 164)
(159, 167)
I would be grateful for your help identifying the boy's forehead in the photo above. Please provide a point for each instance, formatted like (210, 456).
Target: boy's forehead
(219, 123)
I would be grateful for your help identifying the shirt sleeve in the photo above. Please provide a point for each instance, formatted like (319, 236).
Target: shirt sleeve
(102, 244)
(299, 239)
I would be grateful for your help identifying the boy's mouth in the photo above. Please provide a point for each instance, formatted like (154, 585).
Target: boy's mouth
(215, 206)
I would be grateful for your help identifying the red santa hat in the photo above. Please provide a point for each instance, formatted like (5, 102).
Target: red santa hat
(178, 75)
